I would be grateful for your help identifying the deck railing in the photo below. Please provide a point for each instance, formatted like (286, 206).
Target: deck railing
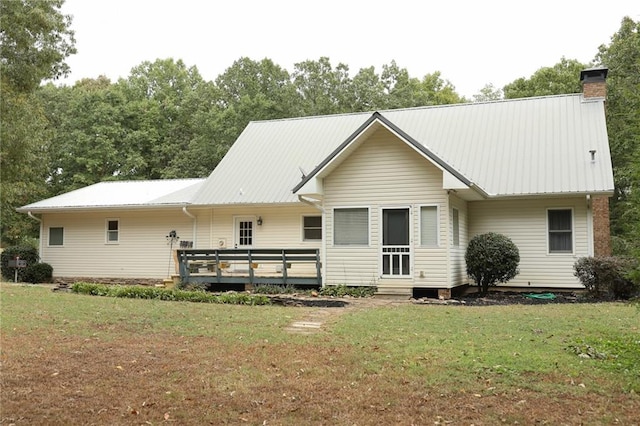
(250, 266)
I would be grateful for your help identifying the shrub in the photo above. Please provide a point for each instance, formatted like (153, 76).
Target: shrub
(142, 292)
(491, 259)
(38, 273)
(276, 289)
(343, 290)
(606, 278)
(27, 253)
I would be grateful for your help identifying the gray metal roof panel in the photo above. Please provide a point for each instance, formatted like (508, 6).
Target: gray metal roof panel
(529, 146)
(122, 193)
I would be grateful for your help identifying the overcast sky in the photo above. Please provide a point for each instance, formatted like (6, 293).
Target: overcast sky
(471, 42)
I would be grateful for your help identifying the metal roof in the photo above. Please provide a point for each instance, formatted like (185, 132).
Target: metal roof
(522, 147)
(113, 194)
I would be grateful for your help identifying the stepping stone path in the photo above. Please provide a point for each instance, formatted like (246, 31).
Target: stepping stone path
(314, 321)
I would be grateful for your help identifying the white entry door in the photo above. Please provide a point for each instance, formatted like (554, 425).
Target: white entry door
(396, 248)
(244, 233)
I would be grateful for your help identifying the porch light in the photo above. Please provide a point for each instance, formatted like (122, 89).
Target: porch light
(259, 221)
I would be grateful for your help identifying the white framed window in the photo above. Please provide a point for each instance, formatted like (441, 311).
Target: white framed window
(455, 221)
(560, 230)
(429, 226)
(351, 226)
(56, 236)
(311, 228)
(113, 231)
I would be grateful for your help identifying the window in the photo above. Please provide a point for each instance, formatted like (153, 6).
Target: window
(351, 226)
(112, 231)
(311, 228)
(456, 227)
(56, 236)
(560, 227)
(429, 226)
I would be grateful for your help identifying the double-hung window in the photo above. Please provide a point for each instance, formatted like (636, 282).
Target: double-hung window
(560, 230)
(113, 231)
(56, 236)
(428, 226)
(351, 226)
(455, 220)
(311, 228)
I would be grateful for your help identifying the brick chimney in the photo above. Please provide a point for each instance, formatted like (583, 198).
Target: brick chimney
(594, 82)
(594, 86)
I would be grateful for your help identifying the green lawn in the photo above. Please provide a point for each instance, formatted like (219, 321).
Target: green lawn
(72, 359)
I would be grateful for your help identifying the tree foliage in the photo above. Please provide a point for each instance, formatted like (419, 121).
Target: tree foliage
(491, 259)
(622, 57)
(35, 39)
(562, 78)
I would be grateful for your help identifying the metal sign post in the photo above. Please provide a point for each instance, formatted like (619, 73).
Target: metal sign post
(16, 263)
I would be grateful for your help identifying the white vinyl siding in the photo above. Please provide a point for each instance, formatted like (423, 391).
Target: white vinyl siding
(56, 236)
(429, 226)
(525, 222)
(384, 172)
(144, 254)
(113, 234)
(458, 241)
(351, 226)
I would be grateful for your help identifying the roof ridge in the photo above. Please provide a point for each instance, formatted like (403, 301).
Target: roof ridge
(415, 108)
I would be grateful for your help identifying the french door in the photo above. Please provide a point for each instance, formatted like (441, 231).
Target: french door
(396, 248)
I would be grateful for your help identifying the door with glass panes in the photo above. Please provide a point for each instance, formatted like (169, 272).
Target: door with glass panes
(396, 248)
(244, 232)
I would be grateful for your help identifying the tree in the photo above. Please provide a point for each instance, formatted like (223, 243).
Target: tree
(491, 259)
(622, 57)
(560, 79)
(35, 39)
(323, 89)
(488, 93)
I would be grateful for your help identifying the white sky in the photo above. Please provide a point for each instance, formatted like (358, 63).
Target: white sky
(471, 42)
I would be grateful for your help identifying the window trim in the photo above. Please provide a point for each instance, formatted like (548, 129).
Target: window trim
(49, 237)
(573, 231)
(108, 231)
(437, 244)
(333, 219)
(305, 228)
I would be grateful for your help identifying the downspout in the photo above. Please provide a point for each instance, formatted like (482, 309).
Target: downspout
(315, 204)
(323, 250)
(193, 231)
(40, 244)
(590, 230)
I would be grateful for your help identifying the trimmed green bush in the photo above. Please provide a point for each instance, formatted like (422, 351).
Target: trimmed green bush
(343, 290)
(27, 253)
(606, 278)
(491, 259)
(38, 273)
(158, 293)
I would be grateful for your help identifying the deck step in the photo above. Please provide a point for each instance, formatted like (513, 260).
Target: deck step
(395, 292)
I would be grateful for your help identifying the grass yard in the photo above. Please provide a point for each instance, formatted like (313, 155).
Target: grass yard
(70, 359)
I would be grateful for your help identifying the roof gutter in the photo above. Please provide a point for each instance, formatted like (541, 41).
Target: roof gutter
(193, 218)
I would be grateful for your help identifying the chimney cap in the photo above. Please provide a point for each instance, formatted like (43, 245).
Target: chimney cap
(594, 74)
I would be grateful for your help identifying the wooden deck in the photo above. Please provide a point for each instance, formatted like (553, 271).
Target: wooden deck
(250, 266)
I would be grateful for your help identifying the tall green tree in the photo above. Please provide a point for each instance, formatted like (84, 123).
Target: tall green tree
(622, 57)
(562, 78)
(163, 97)
(35, 40)
(323, 88)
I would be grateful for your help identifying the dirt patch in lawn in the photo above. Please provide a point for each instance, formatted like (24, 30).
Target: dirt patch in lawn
(166, 379)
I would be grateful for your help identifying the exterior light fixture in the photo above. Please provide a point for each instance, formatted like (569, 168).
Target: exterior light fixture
(259, 221)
